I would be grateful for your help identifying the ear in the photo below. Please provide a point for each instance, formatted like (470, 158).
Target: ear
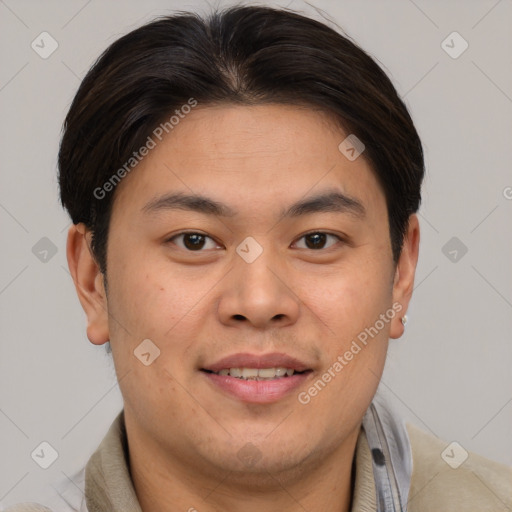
(89, 283)
(403, 283)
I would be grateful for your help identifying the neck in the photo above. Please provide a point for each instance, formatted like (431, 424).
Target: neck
(164, 482)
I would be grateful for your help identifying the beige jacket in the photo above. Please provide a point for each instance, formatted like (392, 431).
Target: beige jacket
(477, 485)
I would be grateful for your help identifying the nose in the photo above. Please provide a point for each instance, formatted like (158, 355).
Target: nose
(259, 294)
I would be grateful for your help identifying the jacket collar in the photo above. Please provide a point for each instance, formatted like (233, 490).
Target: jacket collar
(108, 484)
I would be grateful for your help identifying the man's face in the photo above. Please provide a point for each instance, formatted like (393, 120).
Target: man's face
(263, 287)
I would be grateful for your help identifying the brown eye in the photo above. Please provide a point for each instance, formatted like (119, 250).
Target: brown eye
(193, 241)
(318, 240)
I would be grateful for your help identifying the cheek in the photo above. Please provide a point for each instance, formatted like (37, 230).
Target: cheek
(354, 344)
(349, 299)
(150, 299)
(145, 290)
(151, 305)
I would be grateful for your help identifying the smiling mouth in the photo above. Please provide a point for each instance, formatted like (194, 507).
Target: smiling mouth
(257, 374)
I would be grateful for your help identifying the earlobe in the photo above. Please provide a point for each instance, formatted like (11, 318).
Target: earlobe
(89, 283)
(403, 284)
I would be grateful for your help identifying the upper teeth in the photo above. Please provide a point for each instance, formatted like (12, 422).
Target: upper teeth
(257, 373)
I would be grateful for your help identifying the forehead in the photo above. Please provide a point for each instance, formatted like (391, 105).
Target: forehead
(251, 157)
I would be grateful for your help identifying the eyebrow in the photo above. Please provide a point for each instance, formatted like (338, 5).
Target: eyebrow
(327, 201)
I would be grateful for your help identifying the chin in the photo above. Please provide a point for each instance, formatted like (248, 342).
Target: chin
(265, 475)
(260, 465)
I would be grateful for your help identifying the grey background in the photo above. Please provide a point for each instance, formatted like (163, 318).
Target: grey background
(450, 373)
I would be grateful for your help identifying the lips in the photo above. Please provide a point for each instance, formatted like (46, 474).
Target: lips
(245, 360)
(259, 379)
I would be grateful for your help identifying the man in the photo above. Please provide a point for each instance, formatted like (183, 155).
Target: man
(243, 190)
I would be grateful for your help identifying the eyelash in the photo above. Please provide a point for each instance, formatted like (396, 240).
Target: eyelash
(340, 239)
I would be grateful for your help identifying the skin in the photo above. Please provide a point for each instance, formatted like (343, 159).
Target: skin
(184, 434)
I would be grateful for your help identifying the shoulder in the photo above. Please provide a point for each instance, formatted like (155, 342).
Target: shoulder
(64, 495)
(446, 474)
